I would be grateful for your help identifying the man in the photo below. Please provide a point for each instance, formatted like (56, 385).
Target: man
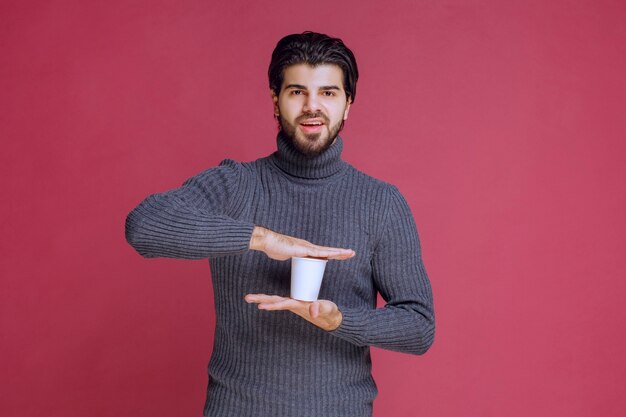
(273, 355)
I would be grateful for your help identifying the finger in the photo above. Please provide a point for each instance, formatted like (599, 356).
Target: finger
(263, 298)
(330, 253)
(285, 304)
(342, 257)
(314, 309)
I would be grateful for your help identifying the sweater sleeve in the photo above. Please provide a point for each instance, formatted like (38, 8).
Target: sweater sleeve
(407, 322)
(193, 221)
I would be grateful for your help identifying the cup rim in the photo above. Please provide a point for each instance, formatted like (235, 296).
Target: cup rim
(309, 259)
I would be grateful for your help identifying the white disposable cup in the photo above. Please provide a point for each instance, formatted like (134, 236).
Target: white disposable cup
(306, 278)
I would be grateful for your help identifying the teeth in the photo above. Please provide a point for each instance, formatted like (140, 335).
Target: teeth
(312, 124)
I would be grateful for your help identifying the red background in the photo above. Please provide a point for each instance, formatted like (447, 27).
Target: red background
(502, 122)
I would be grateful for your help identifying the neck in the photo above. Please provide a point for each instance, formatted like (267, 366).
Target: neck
(294, 163)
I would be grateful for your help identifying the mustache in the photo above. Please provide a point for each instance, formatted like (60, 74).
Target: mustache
(312, 116)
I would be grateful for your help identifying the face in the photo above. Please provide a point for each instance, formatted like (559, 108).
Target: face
(311, 106)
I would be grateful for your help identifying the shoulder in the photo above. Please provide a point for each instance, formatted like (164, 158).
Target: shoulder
(226, 171)
(225, 178)
(387, 199)
(384, 189)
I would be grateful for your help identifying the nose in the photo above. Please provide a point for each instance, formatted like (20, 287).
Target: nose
(311, 104)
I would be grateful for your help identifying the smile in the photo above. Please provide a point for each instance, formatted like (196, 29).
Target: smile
(311, 127)
(317, 121)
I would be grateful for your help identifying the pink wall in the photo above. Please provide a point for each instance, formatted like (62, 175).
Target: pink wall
(501, 121)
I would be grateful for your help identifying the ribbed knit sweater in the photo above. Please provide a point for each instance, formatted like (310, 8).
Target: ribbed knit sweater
(274, 363)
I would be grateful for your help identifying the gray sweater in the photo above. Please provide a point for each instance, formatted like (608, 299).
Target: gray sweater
(274, 363)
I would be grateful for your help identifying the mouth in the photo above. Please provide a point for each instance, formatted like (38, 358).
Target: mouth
(312, 125)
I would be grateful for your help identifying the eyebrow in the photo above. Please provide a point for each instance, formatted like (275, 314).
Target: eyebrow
(302, 87)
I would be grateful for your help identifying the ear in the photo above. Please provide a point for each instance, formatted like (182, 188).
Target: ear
(275, 101)
(345, 113)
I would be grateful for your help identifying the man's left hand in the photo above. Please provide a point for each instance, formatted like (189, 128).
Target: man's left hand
(322, 313)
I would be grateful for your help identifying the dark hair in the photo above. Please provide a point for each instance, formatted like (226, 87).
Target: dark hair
(313, 49)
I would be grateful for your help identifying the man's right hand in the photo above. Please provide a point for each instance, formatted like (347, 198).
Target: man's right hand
(283, 247)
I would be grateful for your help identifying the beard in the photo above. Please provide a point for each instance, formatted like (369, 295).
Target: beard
(311, 144)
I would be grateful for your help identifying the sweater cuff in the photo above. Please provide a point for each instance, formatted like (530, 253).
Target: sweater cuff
(352, 327)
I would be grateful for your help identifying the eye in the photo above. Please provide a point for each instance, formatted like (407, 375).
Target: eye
(329, 93)
(296, 92)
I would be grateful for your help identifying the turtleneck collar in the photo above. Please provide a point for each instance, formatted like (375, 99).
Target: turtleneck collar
(294, 163)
